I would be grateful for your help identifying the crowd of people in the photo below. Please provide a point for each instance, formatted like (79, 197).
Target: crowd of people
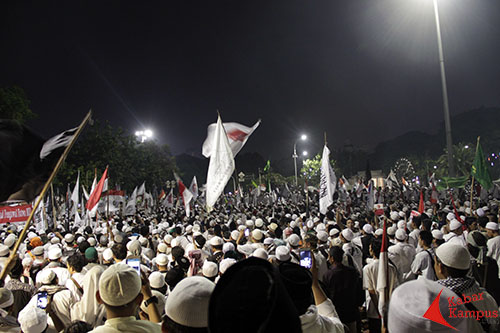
(268, 267)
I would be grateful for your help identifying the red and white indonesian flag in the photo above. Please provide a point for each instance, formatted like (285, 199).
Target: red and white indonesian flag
(379, 209)
(96, 194)
(193, 188)
(383, 271)
(185, 194)
(328, 181)
(169, 199)
(237, 136)
(221, 164)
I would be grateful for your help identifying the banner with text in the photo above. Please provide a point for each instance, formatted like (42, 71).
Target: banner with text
(14, 214)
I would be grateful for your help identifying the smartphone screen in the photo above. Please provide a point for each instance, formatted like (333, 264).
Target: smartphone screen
(42, 300)
(135, 263)
(247, 232)
(305, 258)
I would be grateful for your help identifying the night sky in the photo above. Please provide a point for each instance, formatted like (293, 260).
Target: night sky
(363, 71)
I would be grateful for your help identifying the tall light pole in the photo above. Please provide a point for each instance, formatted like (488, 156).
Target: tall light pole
(447, 122)
(303, 137)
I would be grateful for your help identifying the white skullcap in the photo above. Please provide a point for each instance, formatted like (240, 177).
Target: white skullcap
(321, 227)
(4, 250)
(235, 234)
(257, 234)
(55, 253)
(380, 232)
(437, 234)
(162, 248)
(293, 217)
(400, 234)
(189, 229)
(411, 300)
(46, 276)
(162, 259)
(453, 255)
(293, 224)
(143, 241)
(187, 304)
(216, 241)
(450, 216)
(492, 226)
(394, 216)
(241, 227)
(273, 226)
(92, 241)
(210, 269)
(368, 228)
(454, 225)
(225, 264)
(282, 253)
(10, 240)
(175, 242)
(480, 212)
(55, 240)
(268, 241)
(467, 211)
(401, 224)
(32, 320)
(259, 223)
(31, 235)
(107, 254)
(322, 236)
(160, 306)
(38, 251)
(310, 224)
(157, 280)
(391, 231)
(119, 285)
(356, 224)
(80, 240)
(196, 228)
(27, 262)
(334, 232)
(260, 253)
(249, 223)
(227, 247)
(168, 239)
(69, 238)
(6, 298)
(347, 234)
(293, 240)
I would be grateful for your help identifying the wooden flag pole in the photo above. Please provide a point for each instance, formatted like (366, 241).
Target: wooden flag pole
(472, 184)
(13, 254)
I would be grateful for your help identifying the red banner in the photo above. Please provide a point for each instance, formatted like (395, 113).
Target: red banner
(15, 213)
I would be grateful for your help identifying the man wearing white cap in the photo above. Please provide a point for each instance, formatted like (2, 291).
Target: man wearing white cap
(55, 265)
(121, 292)
(351, 250)
(493, 242)
(455, 235)
(452, 265)
(216, 244)
(402, 254)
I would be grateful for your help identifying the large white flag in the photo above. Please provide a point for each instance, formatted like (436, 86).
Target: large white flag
(328, 182)
(237, 136)
(130, 209)
(221, 164)
(193, 188)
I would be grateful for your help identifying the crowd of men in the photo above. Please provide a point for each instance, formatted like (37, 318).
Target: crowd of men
(275, 267)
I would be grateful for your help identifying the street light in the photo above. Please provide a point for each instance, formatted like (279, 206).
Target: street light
(447, 122)
(303, 137)
(144, 135)
(304, 153)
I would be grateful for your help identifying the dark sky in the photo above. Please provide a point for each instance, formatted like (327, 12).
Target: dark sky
(363, 71)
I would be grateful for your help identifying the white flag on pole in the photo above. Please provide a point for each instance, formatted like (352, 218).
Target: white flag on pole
(328, 182)
(75, 196)
(193, 188)
(221, 164)
(185, 194)
(130, 209)
(237, 136)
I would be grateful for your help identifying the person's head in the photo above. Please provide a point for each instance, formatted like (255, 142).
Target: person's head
(375, 247)
(6, 300)
(55, 254)
(452, 260)
(455, 227)
(119, 251)
(75, 263)
(120, 290)
(350, 224)
(17, 269)
(492, 229)
(32, 320)
(425, 239)
(177, 252)
(298, 283)
(426, 224)
(477, 245)
(186, 308)
(91, 255)
(336, 255)
(78, 327)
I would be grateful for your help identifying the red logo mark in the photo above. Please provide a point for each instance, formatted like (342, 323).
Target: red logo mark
(434, 313)
(237, 135)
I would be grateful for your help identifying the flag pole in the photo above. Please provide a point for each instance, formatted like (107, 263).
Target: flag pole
(472, 184)
(13, 254)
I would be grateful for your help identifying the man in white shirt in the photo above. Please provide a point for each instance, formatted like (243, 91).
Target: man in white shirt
(455, 236)
(423, 264)
(493, 242)
(402, 254)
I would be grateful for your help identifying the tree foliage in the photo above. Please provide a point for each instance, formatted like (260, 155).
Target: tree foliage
(130, 162)
(311, 169)
(14, 104)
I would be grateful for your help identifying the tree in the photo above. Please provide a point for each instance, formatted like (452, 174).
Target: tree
(15, 105)
(311, 169)
(463, 156)
(130, 162)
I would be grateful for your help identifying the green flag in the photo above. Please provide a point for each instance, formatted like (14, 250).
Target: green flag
(254, 184)
(452, 182)
(479, 169)
(268, 166)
